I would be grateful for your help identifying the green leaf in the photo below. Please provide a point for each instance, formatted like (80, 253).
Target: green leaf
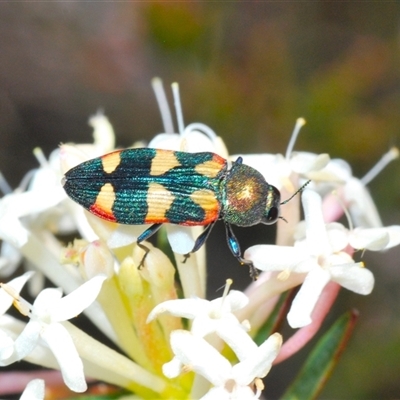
(322, 360)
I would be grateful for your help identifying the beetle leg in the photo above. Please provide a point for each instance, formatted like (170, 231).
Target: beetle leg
(144, 236)
(235, 249)
(200, 240)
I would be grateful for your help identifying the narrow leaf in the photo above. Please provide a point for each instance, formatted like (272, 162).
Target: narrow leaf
(274, 321)
(322, 360)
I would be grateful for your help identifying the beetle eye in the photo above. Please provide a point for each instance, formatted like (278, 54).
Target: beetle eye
(271, 215)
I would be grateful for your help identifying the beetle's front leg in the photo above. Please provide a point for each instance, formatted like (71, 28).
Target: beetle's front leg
(235, 249)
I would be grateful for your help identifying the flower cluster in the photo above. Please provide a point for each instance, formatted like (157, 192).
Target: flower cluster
(174, 343)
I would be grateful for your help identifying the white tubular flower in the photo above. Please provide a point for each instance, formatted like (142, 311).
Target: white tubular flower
(214, 316)
(34, 390)
(208, 316)
(375, 239)
(230, 382)
(320, 255)
(46, 314)
(361, 205)
(354, 191)
(103, 132)
(6, 342)
(6, 349)
(16, 205)
(277, 169)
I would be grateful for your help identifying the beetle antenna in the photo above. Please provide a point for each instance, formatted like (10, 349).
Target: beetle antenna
(296, 192)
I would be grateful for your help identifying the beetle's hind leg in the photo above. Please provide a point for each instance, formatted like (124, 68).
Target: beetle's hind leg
(199, 241)
(144, 236)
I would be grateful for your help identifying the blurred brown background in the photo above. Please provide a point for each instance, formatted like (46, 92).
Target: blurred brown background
(248, 70)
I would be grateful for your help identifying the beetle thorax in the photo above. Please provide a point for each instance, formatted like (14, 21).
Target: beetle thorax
(245, 194)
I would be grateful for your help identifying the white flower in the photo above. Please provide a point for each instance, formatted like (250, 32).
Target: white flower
(375, 238)
(278, 169)
(358, 199)
(46, 314)
(353, 191)
(34, 390)
(103, 132)
(320, 255)
(13, 206)
(6, 342)
(208, 316)
(230, 382)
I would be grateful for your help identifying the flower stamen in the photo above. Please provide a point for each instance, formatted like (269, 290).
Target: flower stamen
(388, 157)
(178, 108)
(163, 105)
(19, 303)
(300, 122)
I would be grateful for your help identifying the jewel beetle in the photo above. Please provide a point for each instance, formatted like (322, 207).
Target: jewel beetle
(154, 186)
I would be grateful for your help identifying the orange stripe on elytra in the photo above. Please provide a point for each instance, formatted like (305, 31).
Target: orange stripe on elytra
(208, 202)
(163, 161)
(210, 168)
(102, 207)
(111, 161)
(159, 201)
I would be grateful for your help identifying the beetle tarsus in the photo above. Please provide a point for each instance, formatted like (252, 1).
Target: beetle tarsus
(146, 251)
(253, 271)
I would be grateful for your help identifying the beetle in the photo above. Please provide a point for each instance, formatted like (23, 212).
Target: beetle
(155, 186)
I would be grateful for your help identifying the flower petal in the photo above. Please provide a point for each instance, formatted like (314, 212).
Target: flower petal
(185, 308)
(337, 236)
(220, 393)
(45, 301)
(63, 348)
(361, 205)
(103, 133)
(34, 390)
(172, 368)
(180, 238)
(200, 356)
(316, 234)
(273, 167)
(235, 300)
(235, 336)
(394, 235)
(124, 235)
(6, 348)
(167, 141)
(259, 362)
(303, 162)
(28, 339)
(353, 277)
(274, 258)
(75, 302)
(371, 239)
(306, 298)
